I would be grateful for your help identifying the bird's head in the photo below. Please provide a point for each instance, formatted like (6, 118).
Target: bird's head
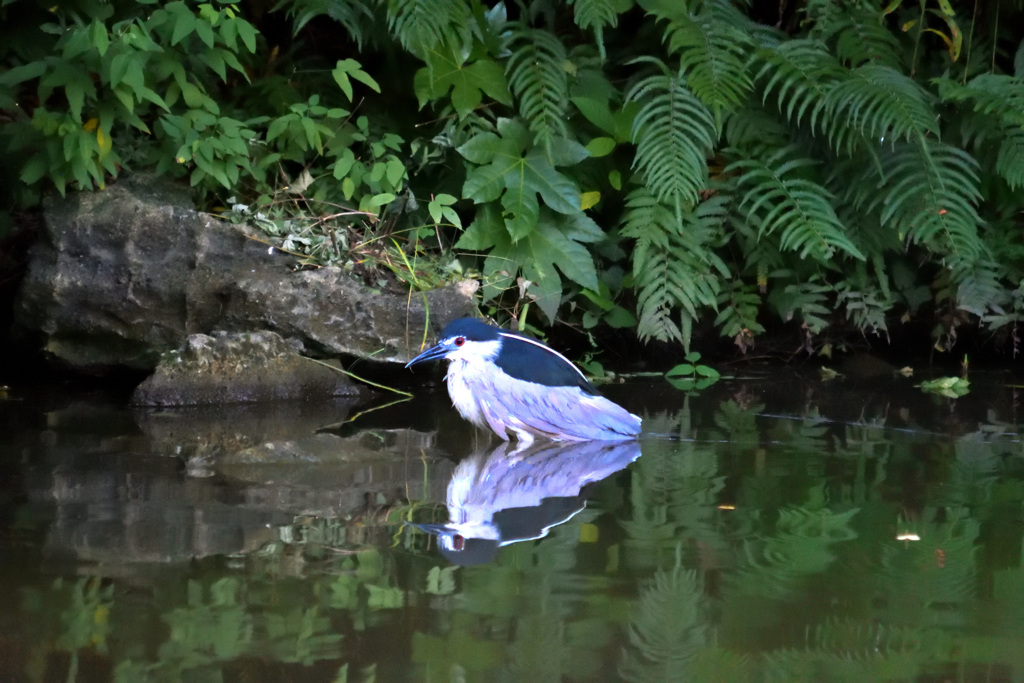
(463, 339)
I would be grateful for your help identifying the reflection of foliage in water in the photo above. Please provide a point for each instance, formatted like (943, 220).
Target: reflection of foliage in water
(667, 628)
(79, 612)
(739, 547)
(284, 607)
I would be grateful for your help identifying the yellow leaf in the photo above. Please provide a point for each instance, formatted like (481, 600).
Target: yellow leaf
(104, 142)
(892, 7)
(589, 533)
(91, 124)
(589, 199)
(952, 44)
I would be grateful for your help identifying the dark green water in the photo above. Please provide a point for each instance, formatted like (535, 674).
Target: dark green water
(772, 528)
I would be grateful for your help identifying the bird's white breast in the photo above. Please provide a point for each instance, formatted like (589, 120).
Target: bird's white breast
(461, 390)
(468, 369)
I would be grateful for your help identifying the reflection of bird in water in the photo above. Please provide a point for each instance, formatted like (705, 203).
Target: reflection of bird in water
(495, 498)
(510, 382)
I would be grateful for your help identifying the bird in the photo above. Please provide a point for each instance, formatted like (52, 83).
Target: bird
(517, 386)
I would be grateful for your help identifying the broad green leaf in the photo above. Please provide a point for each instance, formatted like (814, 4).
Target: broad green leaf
(205, 33)
(597, 112)
(350, 67)
(599, 147)
(518, 176)
(23, 73)
(552, 250)
(447, 70)
(248, 34)
(183, 19)
(98, 36)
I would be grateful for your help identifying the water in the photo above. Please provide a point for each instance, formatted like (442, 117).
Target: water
(773, 528)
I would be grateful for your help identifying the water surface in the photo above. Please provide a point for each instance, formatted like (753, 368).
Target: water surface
(773, 527)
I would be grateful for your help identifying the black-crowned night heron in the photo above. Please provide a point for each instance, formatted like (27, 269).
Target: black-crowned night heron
(513, 383)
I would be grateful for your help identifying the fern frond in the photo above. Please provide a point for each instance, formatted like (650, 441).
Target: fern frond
(674, 133)
(1001, 98)
(866, 300)
(997, 94)
(536, 74)
(713, 47)
(881, 104)
(754, 128)
(780, 198)
(738, 306)
(806, 301)
(1010, 163)
(859, 36)
(674, 266)
(420, 25)
(929, 197)
(800, 74)
(353, 15)
(597, 14)
(979, 286)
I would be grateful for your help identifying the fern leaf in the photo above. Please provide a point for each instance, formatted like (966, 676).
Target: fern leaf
(1001, 97)
(536, 74)
(1010, 163)
(754, 128)
(807, 301)
(858, 35)
(865, 302)
(674, 266)
(713, 48)
(738, 306)
(979, 288)
(421, 25)
(799, 73)
(778, 198)
(997, 94)
(881, 104)
(674, 133)
(353, 15)
(597, 14)
(931, 190)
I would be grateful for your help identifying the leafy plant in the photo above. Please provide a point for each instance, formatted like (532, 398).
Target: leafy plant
(692, 375)
(950, 387)
(660, 164)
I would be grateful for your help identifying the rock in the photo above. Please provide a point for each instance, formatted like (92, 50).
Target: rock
(121, 276)
(240, 368)
(332, 314)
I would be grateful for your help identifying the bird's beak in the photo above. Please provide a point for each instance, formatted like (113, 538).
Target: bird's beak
(433, 353)
(431, 528)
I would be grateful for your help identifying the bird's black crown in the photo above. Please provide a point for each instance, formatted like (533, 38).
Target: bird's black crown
(472, 329)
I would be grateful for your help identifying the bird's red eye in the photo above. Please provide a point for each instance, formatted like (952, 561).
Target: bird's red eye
(459, 341)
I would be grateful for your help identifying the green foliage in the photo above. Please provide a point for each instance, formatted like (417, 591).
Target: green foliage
(674, 265)
(684, 162)
(714, 46)
(537, 77)
(674, 133)
(950, 387)
(778, 195)
(692, 375)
